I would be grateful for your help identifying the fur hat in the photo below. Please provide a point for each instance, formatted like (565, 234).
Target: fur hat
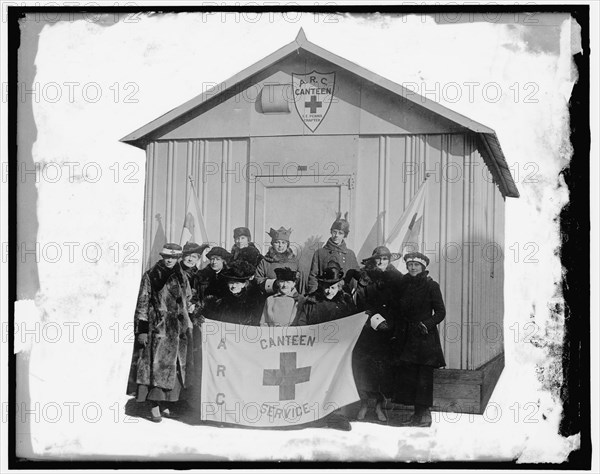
(417, 257)
(240, 270)
(171, 251)
(332, 274)
(192, 247)
(218, 252)
(381, 251)
(280, 234)
(341, 224)
(286, 274)
(241, 231)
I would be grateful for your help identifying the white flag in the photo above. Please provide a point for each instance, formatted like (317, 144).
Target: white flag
(405, 237)
(277, 376)
(194, 229)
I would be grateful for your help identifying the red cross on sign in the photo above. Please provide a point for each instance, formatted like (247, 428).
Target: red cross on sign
(287, 376)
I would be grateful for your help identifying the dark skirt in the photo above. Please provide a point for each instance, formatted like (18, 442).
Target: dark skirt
(372, 375)
(157, 394)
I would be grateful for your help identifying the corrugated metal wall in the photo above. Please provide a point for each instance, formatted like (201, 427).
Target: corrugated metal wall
(215, 168)
(463, 225)
(463, 230)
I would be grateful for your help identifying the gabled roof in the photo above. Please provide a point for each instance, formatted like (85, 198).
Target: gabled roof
(488, 143)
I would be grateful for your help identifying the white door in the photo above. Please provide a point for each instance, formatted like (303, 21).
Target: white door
(308, 205)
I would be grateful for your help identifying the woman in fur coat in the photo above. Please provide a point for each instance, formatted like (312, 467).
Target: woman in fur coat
(165, 338)
(243, 249)
(244, 302)
(279, 255)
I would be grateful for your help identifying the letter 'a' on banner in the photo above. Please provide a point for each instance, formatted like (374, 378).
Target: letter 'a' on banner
(277, 376)
(406, 235)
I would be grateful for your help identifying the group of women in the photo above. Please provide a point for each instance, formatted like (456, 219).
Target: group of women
(393, 359)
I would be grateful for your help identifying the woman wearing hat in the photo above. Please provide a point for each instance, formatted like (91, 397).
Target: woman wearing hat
(145, 311)
(329, 302)
(243, 303)
(209, 281)
(416, 348)
(334, 249)
(280, 309)
(243, 249)
(164, 360)
(378, 283)
(279, 255)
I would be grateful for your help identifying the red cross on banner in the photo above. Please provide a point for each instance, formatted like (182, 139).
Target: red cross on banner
(287, 376)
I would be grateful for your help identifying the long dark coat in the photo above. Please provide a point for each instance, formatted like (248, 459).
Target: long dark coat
(245, 308)
(169, 331)
(321, 258)
(420, 301)
(272, 260)
(375, 292)
(249, 254)
(317, 309)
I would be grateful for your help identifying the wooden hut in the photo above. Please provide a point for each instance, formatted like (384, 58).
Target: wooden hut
(304, 133)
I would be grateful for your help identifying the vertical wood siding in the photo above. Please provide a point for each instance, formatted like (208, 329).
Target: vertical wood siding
(463, 223)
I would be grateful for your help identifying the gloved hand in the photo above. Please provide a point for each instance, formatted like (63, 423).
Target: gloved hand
(383, 326)
(350, 274)
(142, 339)
(422, 329)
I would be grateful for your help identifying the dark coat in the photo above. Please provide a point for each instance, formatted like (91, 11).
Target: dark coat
(375, 292)
(272, 260)
(168, 329)
(245, 308)
(321, 258)
(317, 309)
(420, 301)
(207, 282)
(249, 254)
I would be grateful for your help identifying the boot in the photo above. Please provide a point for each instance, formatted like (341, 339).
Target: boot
(364, 406)
(155, 413)
(337, 421)
(421, 418)
(379, 412)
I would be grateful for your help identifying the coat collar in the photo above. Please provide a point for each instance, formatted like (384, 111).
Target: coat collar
(273, 256)
(329, 245)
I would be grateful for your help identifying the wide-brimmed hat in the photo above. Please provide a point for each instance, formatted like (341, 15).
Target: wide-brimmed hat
(218, 252)
(240, 231)
(192, 247)
(286, 274)
(240, 270)
(280, 234)
(332, 274)
(171, 251)
(341, 224)
(417, 257)
(381, 251)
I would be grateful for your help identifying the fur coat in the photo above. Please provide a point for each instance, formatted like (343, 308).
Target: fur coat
(169, 330)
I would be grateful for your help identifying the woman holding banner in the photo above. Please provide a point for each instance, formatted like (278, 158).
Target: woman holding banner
(378, 283)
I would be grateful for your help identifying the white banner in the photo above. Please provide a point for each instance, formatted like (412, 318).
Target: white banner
(277, 376)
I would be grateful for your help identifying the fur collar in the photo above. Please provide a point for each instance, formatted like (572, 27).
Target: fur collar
(272, 256)
(159, 274)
